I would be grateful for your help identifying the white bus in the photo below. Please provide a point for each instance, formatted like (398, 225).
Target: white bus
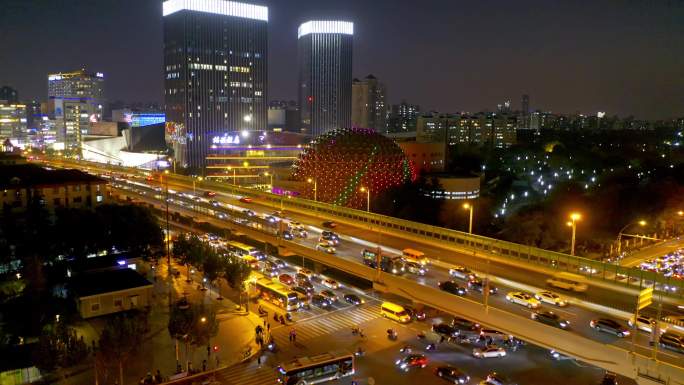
(316, 369)
(275, 293)
(568, 281)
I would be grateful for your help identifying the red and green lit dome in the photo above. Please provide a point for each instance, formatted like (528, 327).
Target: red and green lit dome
(344, 161)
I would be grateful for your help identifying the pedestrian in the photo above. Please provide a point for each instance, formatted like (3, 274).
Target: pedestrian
(442, 339)
(259, 360)
(159, 377)
(208, 350)
(268, 326)
(217, 361)
(294, 336)
(204, 365)
(265, 319)
(290, 337)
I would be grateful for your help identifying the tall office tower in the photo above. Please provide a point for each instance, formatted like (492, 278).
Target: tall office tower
(75, 99)
(368, 104)
(325, 75)
(525, 105)
(215, 65)
(8, 95)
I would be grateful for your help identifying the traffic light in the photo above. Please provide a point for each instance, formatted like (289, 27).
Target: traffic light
(216, 348)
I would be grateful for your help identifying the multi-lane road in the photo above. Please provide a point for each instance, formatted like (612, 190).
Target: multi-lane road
(611, 303)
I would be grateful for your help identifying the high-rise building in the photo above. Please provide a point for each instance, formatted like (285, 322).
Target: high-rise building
(13, 122)
(525, 105)
(486, 129)
(283, 116)
(368, 104)
(215, 65)
(402, 118)
(8, 95)
(75, 99)
(325, 75)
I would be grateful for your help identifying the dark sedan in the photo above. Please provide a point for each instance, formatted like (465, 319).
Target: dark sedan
(353, 299)
(452, 374)
(477, 284)
(453, 288)
(550, 318)
(444, 330)
(610, 326)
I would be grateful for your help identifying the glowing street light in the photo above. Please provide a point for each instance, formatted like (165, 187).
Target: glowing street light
(315, 187)
(194, 190)
(470, 208)
(367, 191)
(271, 176)
(574, 217)
(641, 223)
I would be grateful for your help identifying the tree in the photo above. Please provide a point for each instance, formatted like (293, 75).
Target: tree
(59, 347)
(131, 228)
(181, 320)
(236, 272)
(212, 266)
(121, 337)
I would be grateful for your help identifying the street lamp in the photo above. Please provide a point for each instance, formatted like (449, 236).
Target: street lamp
(231, 168)
(367, 191)
(315, 187)
(641, 223)
(574, 217)
(470, 208)
(271, 176)
(281, 199)
(194, 190)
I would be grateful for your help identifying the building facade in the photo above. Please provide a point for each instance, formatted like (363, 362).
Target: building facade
(110, 291)
(369, 109)
(486, 129)
(283, 116)
(13, 122)
(325, 75)
(402, 117)
(75, 99)
(9, 95)
(215, 66)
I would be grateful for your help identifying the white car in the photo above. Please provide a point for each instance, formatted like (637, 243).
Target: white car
(489, 352)
(551, 298)
(321, 246)
(330, 284)
(645, 324)
(523, 299)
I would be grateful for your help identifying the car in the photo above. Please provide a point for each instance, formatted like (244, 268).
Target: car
(461, 272)
(494, 335)
(272, 272)
(330, 283)
(417, 315)
(489, 351)
(299, 277)
(464, 324)
(279, 263)
(278, 214)
(550, 318)
(444, 329)
(249, 213)
(412, 361)
(246, 200)
(524, 299)
(477, 284)
(643, 323)
(286, 279)
(300, 233)
(353, 299)
(287, 235)
(551, 298)
(452, 287)
(270, 219)
(494, 378)
(221, 216)
(301, 290)
(325, 247)
(209, 194)
(329, 224)
(672, 341)
(321, 301)
(215, 203)
(330, 295)
(415, 268)
(610, 326)
(609, 379)
(452, 374)
(306, 272)
(329, 237)
(328, 242)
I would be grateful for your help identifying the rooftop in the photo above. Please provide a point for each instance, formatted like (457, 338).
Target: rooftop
(90, 284)
(31, 175)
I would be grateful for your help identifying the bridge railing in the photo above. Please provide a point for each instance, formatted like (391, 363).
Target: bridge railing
(592, 269)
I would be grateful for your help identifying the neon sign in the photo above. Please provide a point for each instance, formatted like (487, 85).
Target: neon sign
(226, 139)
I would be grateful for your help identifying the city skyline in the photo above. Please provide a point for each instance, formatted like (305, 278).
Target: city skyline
(581, 67)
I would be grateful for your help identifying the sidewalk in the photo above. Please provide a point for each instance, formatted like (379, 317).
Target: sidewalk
(235, 335)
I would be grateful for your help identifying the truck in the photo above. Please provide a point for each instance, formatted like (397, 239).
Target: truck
(388, 264)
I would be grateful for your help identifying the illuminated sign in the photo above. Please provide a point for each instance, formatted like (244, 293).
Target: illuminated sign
(226, 139)
(99, 75)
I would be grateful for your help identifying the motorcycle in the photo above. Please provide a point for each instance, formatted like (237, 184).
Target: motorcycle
(431, 347)
(391, 334)
(359, 352)
(406, 349)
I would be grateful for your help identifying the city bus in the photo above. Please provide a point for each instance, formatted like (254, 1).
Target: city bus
(316, 369)
(245, 251)
(416, 256)
(388, 264)
(275, 293)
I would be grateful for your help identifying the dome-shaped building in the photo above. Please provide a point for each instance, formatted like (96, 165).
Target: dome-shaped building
(343, 161)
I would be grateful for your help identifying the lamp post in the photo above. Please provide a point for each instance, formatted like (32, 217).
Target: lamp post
(367, 191)
(281, 199)
(470, 208)
(315, 188)
(232, 168)
(574, 217)
(271, 176)
(194, 190)
(641, 223)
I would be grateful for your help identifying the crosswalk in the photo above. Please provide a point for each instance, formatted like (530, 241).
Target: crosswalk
(324, 324)
(247, 374)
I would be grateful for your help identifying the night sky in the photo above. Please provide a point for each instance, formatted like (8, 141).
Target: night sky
(622, 57)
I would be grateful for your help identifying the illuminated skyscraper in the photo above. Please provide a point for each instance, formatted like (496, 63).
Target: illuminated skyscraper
(215, 70)
(325, 75)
